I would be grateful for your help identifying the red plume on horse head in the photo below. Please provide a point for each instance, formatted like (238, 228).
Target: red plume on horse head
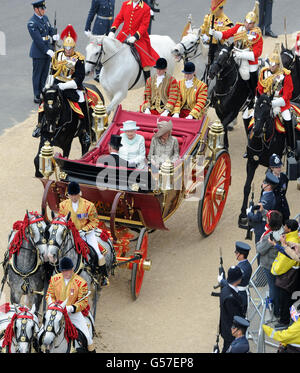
(69, 31)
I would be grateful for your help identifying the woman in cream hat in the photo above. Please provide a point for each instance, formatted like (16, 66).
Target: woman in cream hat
(133, 145)
(163, 146)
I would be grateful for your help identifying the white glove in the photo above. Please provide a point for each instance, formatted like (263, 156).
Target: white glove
(278, 101)
(205, 38)
(276, 111)
(151, 12)
(165, 113)
(189, 117)
(220, 277)
(69, 309)
(244, 55)
(68, 85)
(147, 111)
(55, 37)
(82, 234)
(248, 210)
(88, 33)
(176, 115)
(216, 34)
(131, 39)
(49, 81)
(111, 35)
(50, 53)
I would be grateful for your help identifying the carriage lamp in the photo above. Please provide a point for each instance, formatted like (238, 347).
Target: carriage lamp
(166, 176)
(46, 160)
(216, 137)
(100, 119)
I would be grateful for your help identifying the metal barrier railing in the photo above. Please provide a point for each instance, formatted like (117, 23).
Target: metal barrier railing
(260, 310)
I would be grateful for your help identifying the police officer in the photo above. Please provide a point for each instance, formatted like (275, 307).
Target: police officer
(275, 165)
(238, 330)
(41, 51)
(242, 250)
(267, 202)
(104, 12)
(230, 305)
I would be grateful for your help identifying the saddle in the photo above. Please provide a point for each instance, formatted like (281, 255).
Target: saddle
(138, 60)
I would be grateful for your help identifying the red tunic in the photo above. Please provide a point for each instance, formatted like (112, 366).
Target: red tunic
(135, 23)
(286, 91)
(257, 46)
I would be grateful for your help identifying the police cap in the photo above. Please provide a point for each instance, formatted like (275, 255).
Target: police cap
(271, 179)
(242, 247)
(239, 321)
(39, 4)
(275, 161)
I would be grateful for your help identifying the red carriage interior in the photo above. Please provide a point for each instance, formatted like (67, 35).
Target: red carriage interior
(185, 131)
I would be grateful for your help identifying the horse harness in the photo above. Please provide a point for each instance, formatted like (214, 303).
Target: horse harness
(132, 48)
(190, 49)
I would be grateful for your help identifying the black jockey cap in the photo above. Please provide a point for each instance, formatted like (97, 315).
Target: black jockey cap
(242, 247)
(65, 264)
(73, 188)
(115, 141)
(271, 179)
(189, 68)
(240, 323)
(275, 161)
(161, 63)
(39, 4)
(234, 274)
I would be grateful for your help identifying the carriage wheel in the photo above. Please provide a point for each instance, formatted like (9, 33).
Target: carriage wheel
(216, 186)
(137, 274)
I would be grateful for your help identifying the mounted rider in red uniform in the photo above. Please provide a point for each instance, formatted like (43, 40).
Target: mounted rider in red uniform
(135, 16)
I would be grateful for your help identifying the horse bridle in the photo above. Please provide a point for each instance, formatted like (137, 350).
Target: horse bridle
(96, 64)
(293, 59)
(52, 239)
(25, 315)
(190, 49)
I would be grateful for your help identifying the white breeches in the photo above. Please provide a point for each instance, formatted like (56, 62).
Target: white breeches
(91, 239)
(286, 114)
(79, 321)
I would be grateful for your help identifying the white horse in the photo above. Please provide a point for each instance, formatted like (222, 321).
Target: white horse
(19, 327)
(192, 48)
(120, 71)
(52, 337)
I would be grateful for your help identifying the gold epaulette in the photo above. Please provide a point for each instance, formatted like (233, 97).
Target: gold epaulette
(80, 56)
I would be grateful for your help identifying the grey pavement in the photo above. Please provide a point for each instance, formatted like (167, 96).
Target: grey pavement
(16, 96)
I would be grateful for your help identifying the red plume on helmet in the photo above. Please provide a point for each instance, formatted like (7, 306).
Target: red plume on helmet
(69, 31)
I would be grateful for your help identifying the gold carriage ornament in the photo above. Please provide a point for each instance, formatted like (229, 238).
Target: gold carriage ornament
(47, 163)
(100, 119)
(166, 176)
(216, 137)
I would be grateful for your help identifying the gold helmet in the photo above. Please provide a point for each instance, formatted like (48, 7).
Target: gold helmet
(253, 16)
(69, 37)
(275, 58)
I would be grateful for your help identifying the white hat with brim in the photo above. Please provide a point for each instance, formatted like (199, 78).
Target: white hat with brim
(129, 125)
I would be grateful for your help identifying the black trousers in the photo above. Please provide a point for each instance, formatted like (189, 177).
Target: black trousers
(285, 302)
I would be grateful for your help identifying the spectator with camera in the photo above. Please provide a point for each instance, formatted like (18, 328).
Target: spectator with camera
(267, 253)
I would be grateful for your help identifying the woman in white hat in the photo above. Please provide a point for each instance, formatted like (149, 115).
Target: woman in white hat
(163, 146)
(133, 145)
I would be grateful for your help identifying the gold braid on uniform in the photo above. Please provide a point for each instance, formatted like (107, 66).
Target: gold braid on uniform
(61, 67)
(267, 83)
(242, 37)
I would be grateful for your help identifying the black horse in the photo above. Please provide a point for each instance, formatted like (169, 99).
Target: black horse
(263, 141)
(60, 124)
(231, 93)
(292, 62)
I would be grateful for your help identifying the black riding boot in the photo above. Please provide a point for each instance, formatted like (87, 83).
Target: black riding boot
(290, 135)
(85, 134)
(38, 129)
(104, 275)
(147, 74)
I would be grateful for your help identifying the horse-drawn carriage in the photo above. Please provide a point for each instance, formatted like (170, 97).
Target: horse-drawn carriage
(142, 200)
